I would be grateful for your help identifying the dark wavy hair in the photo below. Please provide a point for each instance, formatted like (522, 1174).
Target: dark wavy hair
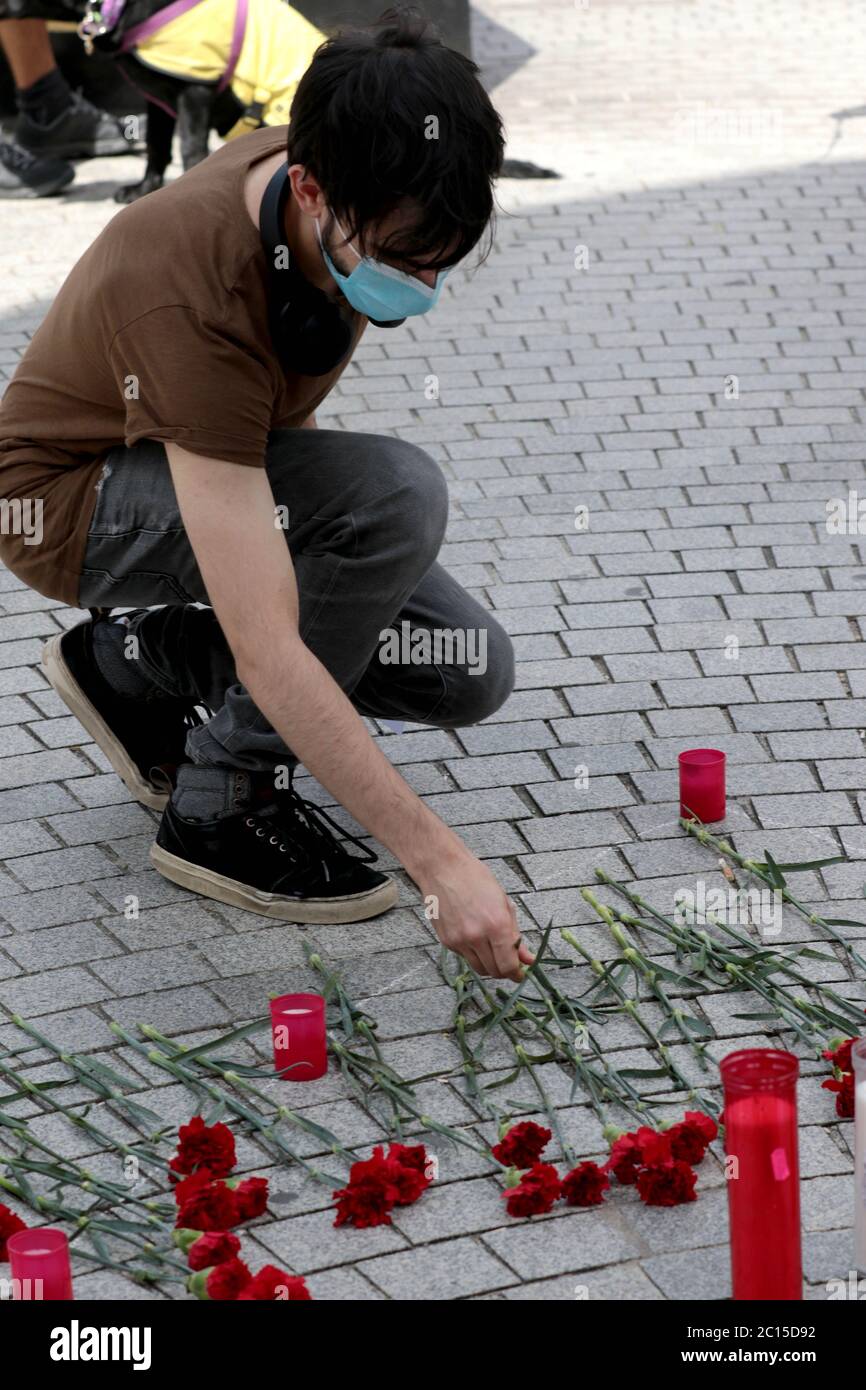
(360, 124)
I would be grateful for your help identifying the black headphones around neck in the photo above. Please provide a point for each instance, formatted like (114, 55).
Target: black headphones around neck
(310, 332)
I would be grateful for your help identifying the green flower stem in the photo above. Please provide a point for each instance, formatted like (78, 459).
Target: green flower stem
(704, 837)
(140, 1239)
(264, 1128)
(80, 1122)
(81, 1069)
(687, 937)
(607, 1086)
(73, 1175)
(358, 1070)
(630, 1005)
(644, 969)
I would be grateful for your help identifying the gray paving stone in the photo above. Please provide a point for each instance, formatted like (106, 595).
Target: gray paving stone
(311, 1242)
(55, 989)
(621, 1283)
(74, 944)
(693, 1274)
(543, 1246)
(451, 1269)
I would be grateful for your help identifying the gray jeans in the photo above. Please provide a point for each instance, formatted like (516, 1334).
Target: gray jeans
(366, 517)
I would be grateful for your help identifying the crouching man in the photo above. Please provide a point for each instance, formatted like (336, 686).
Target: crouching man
(162, 420)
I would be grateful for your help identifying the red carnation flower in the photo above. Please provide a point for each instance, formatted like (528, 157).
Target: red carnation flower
(210, 1207)
(841, 1057)
(625, 1159)
(226, 1281)
(690, 1139)
(585, 1185)
(9, 1225)
(223, 1283)
(204, 1146)
(536, 1192)
(188, 1187)
(653, 1147)
(411, 1173)
(272, 1284)
(667, 1184)
(522, 1146)
(251, 1197)
(844, 1089)
(212, 1248)
(373, 1190)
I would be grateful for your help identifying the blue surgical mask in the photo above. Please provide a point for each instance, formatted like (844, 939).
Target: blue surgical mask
(381, 292)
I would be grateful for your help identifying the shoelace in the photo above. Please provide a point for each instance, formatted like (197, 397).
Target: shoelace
(305, 827)
(16, 157)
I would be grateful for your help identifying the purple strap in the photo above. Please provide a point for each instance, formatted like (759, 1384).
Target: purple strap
(155, 22)
(238, 32)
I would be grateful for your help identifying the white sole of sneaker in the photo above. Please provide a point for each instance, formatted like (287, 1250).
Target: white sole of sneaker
(354, 907)
(70, 692)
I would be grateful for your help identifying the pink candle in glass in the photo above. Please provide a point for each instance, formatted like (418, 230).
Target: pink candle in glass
(760, 1119)
(39, 1260)
(298, 1031)
(702, 784)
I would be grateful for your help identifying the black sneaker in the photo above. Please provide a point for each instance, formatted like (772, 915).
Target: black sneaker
(22, 175)
(280, 860)
(82, 131)
(143, 738)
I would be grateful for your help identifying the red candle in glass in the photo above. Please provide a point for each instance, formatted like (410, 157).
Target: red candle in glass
(298, 1031)
(702, 784)
(39, 1260)
(760, 1121)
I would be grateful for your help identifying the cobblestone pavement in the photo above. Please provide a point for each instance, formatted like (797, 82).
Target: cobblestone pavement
(694, 377)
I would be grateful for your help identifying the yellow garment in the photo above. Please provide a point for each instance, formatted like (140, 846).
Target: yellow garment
(278, 47)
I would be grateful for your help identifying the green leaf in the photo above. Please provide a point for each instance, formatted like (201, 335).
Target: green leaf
(504, 1081)
(698, 1027)
(669, 1026)
(811, 864)
(234, 1036)
(216, 1112)
(99, 1245)
(26, 1189)
(643, 1071)
(672, 976)
(815, 955)
(100, 1072)
(346, 1015)
(773, 871)
(771, 1013)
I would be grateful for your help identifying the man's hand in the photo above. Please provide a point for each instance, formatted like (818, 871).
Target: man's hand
(474, 917)
(228, 512)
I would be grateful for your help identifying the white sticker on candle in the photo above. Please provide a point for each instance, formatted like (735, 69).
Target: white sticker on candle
(779, 1163)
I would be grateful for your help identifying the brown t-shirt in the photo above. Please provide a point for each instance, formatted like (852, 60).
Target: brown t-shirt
(160, 331)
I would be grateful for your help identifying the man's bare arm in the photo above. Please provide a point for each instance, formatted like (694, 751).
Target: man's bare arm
(228, 512)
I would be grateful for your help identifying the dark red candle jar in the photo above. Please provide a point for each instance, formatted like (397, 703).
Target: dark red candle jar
(298, 1032)
(702, 784)
(763, 1173)
(39, 1262)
